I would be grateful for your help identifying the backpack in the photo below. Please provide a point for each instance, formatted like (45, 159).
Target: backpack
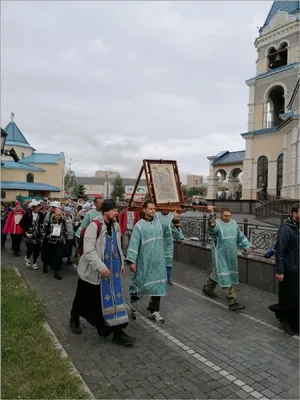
(82, 233)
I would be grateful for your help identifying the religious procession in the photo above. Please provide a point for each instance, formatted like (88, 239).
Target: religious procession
(104, 240)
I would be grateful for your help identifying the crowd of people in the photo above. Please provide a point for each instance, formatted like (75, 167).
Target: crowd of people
(106, 241)
(47, 228)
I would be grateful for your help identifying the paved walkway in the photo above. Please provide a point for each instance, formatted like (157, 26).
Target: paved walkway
(239, 218)
(203, 351)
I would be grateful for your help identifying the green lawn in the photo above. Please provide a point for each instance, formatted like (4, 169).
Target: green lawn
(31, 365)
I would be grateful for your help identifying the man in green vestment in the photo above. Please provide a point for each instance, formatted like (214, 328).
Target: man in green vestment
(227, 238)
(174, 233)
(146, 256)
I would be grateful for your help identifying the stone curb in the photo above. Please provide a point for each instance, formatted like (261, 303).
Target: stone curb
(63, 353)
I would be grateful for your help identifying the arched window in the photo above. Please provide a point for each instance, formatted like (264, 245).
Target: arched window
(30, 178)
(279, 175)
(278, 57)
(262, 172)
(276, 105)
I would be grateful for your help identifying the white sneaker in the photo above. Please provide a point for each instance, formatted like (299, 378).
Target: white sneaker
(27, 262)
(35, 266)
(157, 317)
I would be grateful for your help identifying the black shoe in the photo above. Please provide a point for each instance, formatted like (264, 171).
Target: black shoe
(75, 326)
(45, 268)
(57, 276)
(70, 262)
(208, 293)
(16, 254)
(104, 332)
(286, 327)
(123, 339)
(236, 307)
(170, 283)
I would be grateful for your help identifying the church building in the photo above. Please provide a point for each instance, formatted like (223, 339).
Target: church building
(271, 159)
(35, 175)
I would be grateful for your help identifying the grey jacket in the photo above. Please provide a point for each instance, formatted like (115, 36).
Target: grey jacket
(70, 228)
(91, 262)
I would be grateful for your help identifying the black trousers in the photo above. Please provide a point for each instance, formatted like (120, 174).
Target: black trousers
(154, 303)
(87, 304)
(33, 249)
(69, 248)
(3, 239)
(55, 252)
(287, 309)
(16, 243)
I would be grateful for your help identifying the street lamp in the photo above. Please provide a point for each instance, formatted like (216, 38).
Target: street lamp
(3, 139)
(9, 153)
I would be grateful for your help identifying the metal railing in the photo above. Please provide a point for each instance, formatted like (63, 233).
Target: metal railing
(279, 207)
(261, 237)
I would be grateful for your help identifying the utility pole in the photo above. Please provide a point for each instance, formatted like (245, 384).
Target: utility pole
(71, 162)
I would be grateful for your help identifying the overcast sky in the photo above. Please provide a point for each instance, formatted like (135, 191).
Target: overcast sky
(111, 83)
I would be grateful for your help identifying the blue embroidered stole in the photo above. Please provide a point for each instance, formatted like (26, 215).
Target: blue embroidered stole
(113, 304)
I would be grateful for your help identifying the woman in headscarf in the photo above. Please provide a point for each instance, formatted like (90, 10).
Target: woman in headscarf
(13, 227)
(32, 223)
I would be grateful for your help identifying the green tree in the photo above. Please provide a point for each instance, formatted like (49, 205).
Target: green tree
(80, 192)
(185, 191)
(118, 189)
(198, 191)
(71, 183)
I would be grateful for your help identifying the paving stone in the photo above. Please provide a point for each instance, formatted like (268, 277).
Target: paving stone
(159, 396)
(216, 395)
(132, 384)
(243, 395)
(214, 384)
(268, 393)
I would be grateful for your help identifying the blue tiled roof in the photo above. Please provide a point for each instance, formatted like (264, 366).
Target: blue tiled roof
(7, 185)
(14, 136)
(288, 6)
(230, 158)
(43, 158)
(19, 165)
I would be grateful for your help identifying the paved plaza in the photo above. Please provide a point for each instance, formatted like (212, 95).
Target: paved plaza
(203, 351)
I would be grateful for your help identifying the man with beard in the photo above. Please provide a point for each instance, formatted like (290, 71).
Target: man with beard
(287, 273)
(227, 238)
(146, 256)
(99, 296)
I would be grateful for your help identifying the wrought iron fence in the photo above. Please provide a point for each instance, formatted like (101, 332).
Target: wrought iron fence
(261, 237)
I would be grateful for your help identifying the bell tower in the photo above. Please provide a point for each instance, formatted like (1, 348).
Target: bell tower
(270, 91)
